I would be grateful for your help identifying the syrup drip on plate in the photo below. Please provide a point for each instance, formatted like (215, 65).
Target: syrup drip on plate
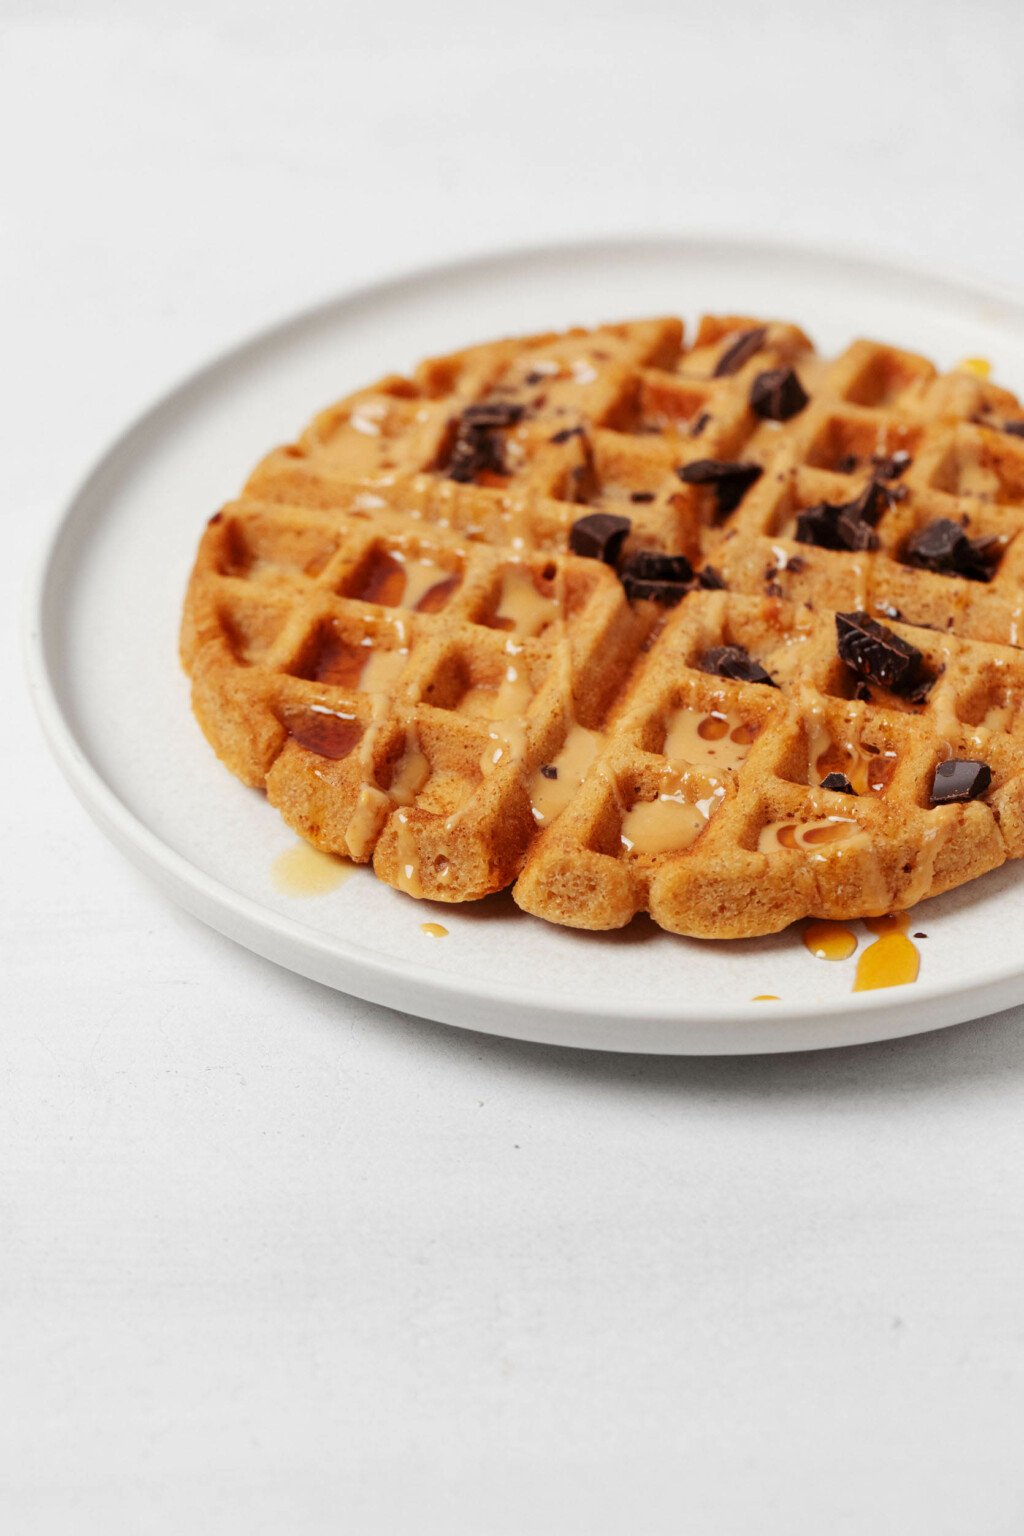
(303, 870)
(893, 960)
(829, 941)
(434, 930)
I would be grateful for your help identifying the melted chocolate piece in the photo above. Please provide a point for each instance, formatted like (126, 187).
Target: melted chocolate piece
(730, 481)
(959, 779)
(700, 423)
(599, 536)
(711, 580)
(740, 351)
(664, 579)
(777, 394)
(565, 434)
(838, 783)
(944, 547)
(1015, 428)
(476, 448)
(549, 771)
(876, 654)
(847, 525)
(642, 496)
(734, 662)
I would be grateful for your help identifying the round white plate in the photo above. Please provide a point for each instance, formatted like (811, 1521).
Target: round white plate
(102, 653)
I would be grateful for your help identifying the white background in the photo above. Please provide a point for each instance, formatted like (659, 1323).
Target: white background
(276, 1261)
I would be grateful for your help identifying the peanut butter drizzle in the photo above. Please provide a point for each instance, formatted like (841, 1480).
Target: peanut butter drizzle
(434, 930)
(717, 738)
(893, 960)
(669, 824)
(550, 796)
(810, 835)
(380, 670)
(522, 607)
(829, 941)
(409, 879)
(303, 870)
(422, 579)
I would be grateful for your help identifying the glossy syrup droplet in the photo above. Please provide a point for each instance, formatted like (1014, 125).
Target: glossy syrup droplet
(434, 930)
(829, 941)
(893, 960)
(765, 997)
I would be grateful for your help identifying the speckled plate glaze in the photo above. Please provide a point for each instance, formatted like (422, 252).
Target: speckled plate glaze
(103, 618)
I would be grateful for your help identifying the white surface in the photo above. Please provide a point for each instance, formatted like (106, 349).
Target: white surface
(103, 625)
(275, 1261)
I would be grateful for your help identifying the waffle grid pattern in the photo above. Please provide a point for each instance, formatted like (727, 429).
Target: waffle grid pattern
(491, 644)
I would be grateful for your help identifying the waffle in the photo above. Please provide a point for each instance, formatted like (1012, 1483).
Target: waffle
(390, 633)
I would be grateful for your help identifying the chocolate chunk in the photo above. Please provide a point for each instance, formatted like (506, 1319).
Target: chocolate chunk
(667, 593)
(476, 448)
(944, 547)
(777, 394)
(711, 580)
(796, 564)
(642, 496)
(730, 481)
(1015, 428)
(876, 654)
(959, 779)
(650, 565)
(740, 351)
(700, 423)
(734, 662)
(565, 434)
(891, 466)
(847, 464)
(846, 525)
(492, 414)
(664, 579)
(838, 783)
(549, 771)
(599, 536)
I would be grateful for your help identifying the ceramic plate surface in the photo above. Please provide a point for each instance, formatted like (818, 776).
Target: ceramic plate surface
(103, 621)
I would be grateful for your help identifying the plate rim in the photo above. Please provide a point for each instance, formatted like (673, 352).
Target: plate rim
(376, 978)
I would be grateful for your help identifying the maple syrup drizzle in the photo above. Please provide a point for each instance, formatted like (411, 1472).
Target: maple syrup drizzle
(829, 941)
(812, 835)
(717, 738)
(522, 607)
(549, 795)
(303, 870)
(868, 771)
(670, 823)
(893, 960)
(434, 930)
